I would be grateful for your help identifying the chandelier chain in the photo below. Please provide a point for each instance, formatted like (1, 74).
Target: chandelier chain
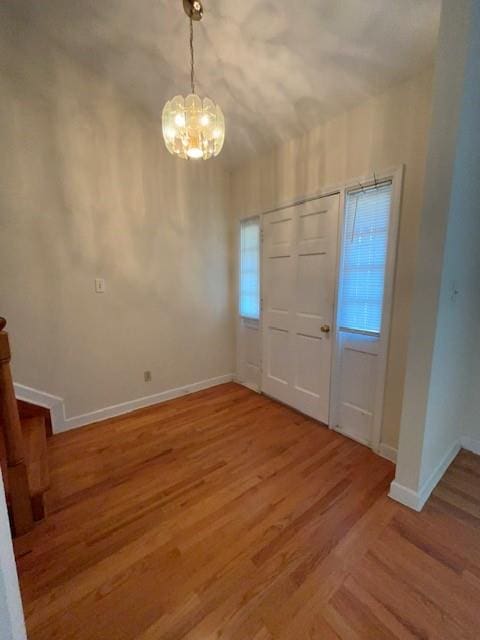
(192, 58)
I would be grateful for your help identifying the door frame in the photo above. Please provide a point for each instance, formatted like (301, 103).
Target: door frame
(242, 322)
(396, 175)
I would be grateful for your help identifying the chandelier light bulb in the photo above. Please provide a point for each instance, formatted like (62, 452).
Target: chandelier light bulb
(180, 120)
(194, 152)
(192, 127)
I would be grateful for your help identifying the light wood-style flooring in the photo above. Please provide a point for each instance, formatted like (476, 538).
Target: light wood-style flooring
(224, 515)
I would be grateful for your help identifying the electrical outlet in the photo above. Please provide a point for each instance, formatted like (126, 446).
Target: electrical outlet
(147, 376)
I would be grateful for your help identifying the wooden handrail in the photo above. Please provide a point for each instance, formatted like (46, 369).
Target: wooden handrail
(19, 491)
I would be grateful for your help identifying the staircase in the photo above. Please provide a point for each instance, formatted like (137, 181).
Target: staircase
(23, 449)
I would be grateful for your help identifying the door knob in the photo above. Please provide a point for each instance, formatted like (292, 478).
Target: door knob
(325, 328)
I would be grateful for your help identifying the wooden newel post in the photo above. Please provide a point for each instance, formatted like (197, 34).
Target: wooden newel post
(19, 491)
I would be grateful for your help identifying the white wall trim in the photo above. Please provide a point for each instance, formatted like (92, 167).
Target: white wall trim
(54, 403)
(405, 496)
(61, 423)
(416, 499)
(388, 452)
(471, 444)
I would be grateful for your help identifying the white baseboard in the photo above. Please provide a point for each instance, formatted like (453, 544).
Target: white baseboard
(471, 444)
(405, 496)
(61, 423)
(388, 452)
(416, 499)
(43, 399)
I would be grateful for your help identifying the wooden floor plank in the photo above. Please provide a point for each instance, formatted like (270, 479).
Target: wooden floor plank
(224, 514)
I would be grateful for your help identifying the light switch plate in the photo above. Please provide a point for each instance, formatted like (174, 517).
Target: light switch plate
(99, 285)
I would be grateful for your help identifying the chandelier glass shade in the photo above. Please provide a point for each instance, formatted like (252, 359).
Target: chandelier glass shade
(192, 127)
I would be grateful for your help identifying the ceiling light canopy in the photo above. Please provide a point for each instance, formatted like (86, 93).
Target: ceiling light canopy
(192, 127)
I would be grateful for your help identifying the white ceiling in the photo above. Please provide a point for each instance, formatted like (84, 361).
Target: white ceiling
(277, 67)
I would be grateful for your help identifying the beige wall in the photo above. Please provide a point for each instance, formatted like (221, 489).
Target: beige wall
(88, 190)
(384, 132)
(456, 339)
(441, 400)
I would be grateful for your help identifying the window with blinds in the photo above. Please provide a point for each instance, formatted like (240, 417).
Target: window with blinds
(249, 293)
(364, 255)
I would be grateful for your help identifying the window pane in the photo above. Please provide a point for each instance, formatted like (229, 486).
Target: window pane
(364, 255)
(250, 268)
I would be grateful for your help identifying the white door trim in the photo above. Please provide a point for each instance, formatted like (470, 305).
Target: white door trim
(396, 176)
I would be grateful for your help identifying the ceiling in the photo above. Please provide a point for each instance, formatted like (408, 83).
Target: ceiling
(276, 67)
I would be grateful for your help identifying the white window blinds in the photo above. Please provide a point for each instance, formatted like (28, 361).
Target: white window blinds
(364, 255)
(249, 302)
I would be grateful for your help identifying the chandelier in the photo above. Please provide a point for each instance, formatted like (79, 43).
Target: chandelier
(192, 127)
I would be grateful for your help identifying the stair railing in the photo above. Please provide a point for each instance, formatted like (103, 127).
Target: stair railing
(20, 503)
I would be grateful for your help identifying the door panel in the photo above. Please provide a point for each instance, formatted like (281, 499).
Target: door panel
(279, 273)
(248, 353)
(280, 237)
(311, 294)
(299, 262)
(279, 350)
(308, 356)
(358, 365)
(278, 282)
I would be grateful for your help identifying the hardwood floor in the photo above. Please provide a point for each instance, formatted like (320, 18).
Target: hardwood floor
(226, 515)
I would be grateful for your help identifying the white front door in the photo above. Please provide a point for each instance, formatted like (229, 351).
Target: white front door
(299, 266)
